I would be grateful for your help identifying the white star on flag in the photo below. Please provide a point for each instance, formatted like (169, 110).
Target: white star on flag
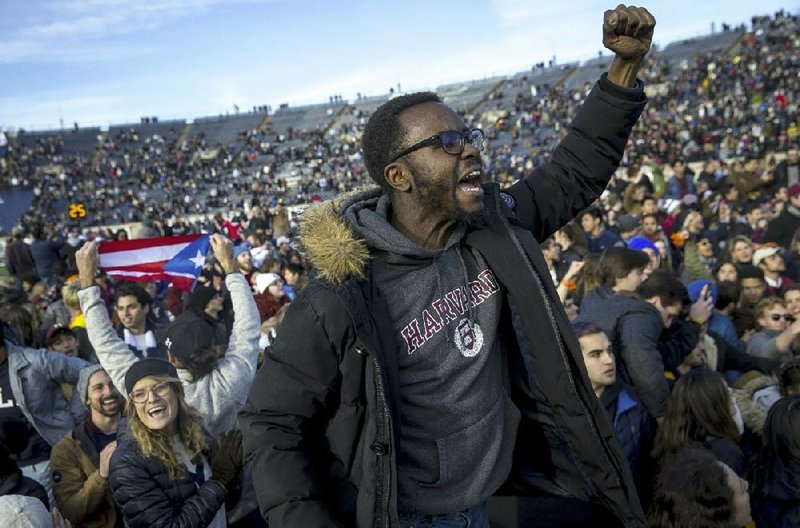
(198, 260)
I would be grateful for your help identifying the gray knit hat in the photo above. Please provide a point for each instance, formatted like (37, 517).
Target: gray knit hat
(17, 511)
(83, 380)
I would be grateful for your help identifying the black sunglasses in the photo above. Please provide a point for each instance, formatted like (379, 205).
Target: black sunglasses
(786, 317)
(452, 142)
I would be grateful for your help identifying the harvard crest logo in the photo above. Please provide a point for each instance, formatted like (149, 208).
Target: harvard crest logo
(468, 338)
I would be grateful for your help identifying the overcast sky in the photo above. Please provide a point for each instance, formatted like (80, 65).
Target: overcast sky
(101, 62)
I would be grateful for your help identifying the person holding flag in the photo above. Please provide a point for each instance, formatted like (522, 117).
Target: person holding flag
(216, 376)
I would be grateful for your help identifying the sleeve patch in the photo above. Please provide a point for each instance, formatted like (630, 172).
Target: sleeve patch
(509, 200)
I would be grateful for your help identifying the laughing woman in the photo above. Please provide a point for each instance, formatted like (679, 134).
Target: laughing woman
(162, 474)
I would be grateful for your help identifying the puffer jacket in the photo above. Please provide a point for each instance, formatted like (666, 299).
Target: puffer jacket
(81, 494)
(219, 395)
(321, 425)
(36, 378)
(633, 326)
(149, 498)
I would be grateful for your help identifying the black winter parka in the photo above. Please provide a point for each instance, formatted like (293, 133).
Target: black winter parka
(321, 426)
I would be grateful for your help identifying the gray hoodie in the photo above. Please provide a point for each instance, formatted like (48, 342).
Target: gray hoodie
(457, 424)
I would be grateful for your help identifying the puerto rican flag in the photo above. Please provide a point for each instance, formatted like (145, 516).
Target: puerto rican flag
(177, 259)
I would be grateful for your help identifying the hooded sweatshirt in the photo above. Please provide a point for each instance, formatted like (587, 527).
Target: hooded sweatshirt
(457, 425)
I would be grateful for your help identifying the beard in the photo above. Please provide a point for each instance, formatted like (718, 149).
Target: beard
(438, 195)
(100, 409)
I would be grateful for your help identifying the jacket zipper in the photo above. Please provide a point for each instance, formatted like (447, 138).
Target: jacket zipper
(382, 517)
(554, 326)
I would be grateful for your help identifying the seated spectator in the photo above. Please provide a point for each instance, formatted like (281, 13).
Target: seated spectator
(777, 330)
(597, 236)
(633, 324)
(162, 471)
(269, 296)
(695, 490)
(142, 336)
(770, 261)
(80, 461)
(776, 473)
(700, 413)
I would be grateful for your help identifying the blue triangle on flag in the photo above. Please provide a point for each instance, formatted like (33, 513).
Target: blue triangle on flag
(190, 259)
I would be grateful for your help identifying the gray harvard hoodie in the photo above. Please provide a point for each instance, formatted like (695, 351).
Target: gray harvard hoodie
(457, 423)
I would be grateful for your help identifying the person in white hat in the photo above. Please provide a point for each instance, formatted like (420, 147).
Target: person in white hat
(270, 295)
(770, 259)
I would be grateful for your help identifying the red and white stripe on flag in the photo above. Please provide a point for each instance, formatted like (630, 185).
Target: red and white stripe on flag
(143, 259)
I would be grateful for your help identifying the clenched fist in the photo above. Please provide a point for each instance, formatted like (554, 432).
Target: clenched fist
(628, 32)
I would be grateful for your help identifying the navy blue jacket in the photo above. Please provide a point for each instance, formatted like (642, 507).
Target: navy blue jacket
(149, 498)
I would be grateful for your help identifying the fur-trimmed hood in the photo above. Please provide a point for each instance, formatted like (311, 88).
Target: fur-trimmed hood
(340, 236)
(333, 247)
(753, 414)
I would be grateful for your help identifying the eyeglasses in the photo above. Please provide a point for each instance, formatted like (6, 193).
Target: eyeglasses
(452, 142)
(785, 317)
(160, 390)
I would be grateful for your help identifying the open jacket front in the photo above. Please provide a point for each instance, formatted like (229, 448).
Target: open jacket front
(322, 424)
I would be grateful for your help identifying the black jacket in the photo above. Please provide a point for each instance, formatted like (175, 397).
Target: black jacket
(321, 426)
(148, 498)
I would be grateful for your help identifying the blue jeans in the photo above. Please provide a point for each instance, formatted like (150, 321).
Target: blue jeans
(475, 517)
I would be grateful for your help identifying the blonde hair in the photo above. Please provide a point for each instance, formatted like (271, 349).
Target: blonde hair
(156, 444)
(69, 293)
(767, 304)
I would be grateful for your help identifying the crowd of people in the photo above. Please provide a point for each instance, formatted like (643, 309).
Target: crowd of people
(680, 284)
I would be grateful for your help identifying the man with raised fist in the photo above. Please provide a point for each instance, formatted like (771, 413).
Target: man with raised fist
(430, 365)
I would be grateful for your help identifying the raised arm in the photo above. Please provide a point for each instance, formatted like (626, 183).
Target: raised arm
(112, 352)
(585, 160)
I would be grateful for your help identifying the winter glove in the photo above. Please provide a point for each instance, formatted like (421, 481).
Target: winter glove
(226, 459)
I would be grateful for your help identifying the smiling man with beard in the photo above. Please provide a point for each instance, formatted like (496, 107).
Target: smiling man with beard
(430, 360)
(79, 463)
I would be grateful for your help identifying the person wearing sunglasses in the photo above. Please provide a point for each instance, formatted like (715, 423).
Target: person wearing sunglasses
(778, 329)
(432, 343)
(164, 471)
